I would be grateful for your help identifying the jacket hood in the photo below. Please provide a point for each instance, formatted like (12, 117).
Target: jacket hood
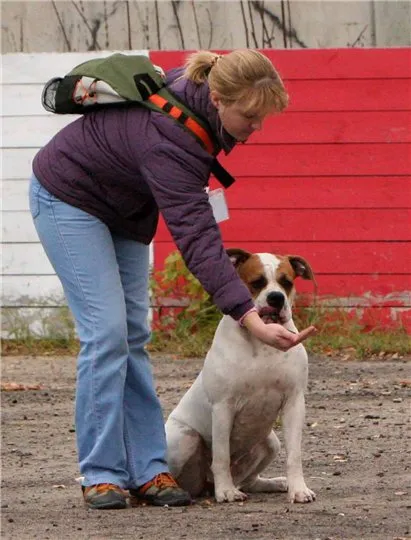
(197, 98)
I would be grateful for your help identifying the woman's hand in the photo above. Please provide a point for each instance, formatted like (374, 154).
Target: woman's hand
(275, 334)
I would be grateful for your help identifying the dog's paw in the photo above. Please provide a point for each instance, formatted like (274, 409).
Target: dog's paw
(303, 495)
(229, 495)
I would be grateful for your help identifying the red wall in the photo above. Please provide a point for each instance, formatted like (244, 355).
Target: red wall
(329, 179)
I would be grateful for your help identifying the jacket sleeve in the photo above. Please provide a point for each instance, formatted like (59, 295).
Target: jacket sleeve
(177, 181)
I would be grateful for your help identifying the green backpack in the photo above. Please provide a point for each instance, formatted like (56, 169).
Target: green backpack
(118, 80)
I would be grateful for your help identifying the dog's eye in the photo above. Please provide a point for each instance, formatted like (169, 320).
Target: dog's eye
(259, 283)
(286, 283)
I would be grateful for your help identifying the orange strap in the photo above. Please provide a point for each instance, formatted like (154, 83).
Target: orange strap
(189, 122)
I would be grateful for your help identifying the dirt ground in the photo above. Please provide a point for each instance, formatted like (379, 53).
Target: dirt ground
(356, 456)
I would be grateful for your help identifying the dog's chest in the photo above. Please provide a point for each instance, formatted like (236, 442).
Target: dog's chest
(255, 413)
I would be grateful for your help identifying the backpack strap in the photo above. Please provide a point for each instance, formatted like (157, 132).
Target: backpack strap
(190, 123)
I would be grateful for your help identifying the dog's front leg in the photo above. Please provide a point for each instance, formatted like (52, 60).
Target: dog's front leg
(222, 422)
(293, 421)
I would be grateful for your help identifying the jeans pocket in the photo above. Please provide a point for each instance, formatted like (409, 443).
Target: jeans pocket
(34, 203)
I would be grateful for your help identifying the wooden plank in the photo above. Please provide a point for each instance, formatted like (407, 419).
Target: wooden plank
(281, 160)
(305, 96)
(322, 160)
(23, 100)
(349, 63)
(336, 127)
(359, 290)
(355, 289)
(15, 195)
(25, 130)
(319, 192)
(281, 192)
(32, 131)
(352, 95)
(17, 162)
(385, 318)
(274, 224)
(312, 225)
(372, 258)
(29, 259)
(25, 259)
(18, 227)
(29, 289)
(38, 68)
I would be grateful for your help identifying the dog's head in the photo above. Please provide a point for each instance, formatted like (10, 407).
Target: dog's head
(270, 279)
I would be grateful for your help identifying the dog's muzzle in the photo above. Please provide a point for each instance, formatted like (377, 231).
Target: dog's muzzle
(272, 313)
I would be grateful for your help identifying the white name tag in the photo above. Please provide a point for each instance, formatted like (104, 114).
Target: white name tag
(218, 204)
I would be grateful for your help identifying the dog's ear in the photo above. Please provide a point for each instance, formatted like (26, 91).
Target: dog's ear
(301, 267)
(238, 256)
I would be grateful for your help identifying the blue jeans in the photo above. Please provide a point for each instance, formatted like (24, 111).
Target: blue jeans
(119, 421)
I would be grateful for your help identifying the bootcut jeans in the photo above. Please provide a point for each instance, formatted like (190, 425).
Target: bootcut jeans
(119, 422)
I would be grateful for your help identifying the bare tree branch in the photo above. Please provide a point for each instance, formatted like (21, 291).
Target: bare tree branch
(128, 24)
(359, 37)
(193, 6)
(287, 33)
(247, 41)
(66, 39)
(157, 25)
(175, 4)
(210, 22)
(253, 34)
(93, 31)
(143, 23)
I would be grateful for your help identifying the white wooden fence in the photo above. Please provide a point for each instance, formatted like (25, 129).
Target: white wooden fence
(28, 280)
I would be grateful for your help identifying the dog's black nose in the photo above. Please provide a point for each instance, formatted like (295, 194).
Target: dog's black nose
(275, 299)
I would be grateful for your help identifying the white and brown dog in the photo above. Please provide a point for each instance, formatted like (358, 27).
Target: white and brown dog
(222, 429)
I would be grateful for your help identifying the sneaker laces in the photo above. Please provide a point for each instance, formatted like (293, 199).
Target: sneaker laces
(161, 481)
(164, 480)
(101, 488)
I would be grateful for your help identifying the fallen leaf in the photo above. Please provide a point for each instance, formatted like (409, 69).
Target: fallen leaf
(19, 387)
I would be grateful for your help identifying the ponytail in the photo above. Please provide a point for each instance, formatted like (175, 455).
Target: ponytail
(199, 64)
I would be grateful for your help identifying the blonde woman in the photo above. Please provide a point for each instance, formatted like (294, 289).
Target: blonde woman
(96, 192)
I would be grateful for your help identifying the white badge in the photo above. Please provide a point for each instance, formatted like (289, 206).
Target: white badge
(218, 204)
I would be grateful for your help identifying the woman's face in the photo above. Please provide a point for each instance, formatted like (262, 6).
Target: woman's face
(236, 122)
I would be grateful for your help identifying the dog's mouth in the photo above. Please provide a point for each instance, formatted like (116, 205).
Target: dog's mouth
(271, 315)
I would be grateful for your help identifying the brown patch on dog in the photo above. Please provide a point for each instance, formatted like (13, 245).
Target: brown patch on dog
(290, 267)
(253, 275)
(285, 274)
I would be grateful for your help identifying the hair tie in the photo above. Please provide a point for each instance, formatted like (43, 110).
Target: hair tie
(215, 60)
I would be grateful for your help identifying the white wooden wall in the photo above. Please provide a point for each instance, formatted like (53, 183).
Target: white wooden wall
(76, 25)
(27, 276)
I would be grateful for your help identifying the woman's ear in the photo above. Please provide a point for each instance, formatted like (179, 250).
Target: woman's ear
(215, 98)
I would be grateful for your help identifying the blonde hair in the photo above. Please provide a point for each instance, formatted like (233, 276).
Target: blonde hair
(243, 75)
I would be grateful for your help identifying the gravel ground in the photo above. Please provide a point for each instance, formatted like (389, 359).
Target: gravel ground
(356, 456)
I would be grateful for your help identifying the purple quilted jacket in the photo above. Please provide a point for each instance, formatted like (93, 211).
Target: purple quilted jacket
(124, 165)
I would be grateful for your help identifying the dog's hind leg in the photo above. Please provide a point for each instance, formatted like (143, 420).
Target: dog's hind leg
(246, 471)
(186, 456)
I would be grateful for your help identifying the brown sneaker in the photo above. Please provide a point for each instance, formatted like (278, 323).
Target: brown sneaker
(162, 490)
(104, 497)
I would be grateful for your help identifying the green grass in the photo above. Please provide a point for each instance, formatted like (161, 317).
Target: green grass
(186, 335)
(188, 331)
(342, 333)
